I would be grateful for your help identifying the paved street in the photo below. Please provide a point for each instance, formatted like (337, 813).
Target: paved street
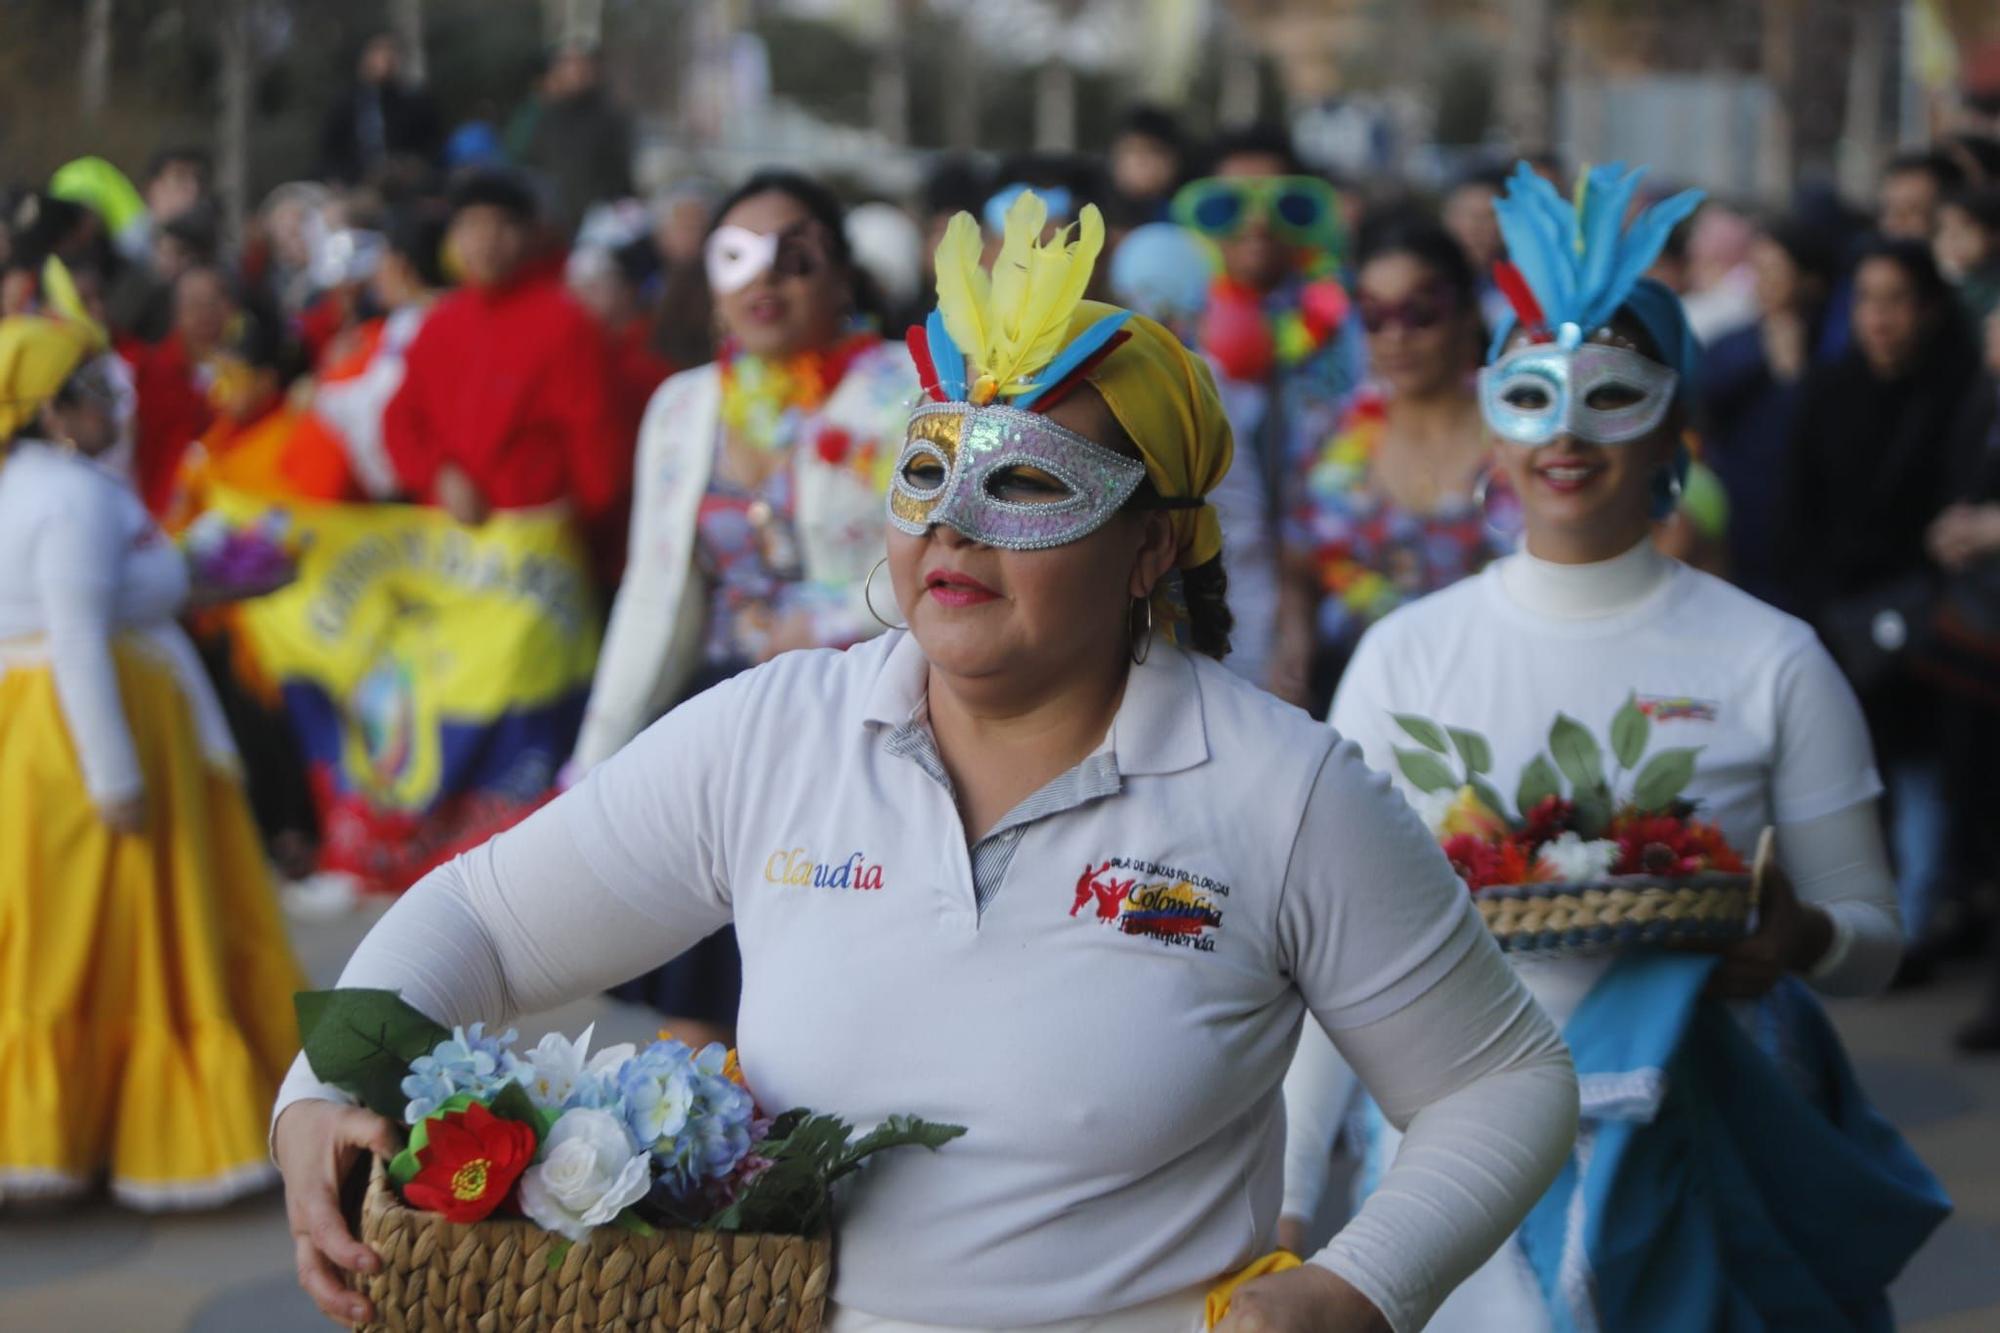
(95, 1269)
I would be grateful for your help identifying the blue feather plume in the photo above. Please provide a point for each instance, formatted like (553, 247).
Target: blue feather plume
(1079, 350)
(1582, 263)
(946, 358)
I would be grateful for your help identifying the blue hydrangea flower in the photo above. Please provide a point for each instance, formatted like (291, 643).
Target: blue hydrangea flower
(470, 1062)
(657, 1087)
(716, 1137)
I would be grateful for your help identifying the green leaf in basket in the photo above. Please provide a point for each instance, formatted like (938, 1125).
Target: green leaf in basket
(1424, 731)
(1474, 750)
(1593, 812)
(558, 1251)
(631, 1222)
(1488, 797)
(362, 1042)
(1663, 778)
(513, 1103)
(898, 1131)
(1577, 753)
(1426, 772)
(1629, 729)
(1539, 781)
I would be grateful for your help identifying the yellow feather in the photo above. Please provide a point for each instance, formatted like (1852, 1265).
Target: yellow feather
(1020, 239)
(964, 290)
(1035, 324)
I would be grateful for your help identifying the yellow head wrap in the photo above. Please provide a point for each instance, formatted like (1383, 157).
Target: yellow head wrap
(1165, 399)
(37, 356)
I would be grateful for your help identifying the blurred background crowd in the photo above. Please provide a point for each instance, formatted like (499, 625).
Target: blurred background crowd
(444, 254)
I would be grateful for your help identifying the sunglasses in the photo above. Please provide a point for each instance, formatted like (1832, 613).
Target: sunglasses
(1302, 209)
(1421, 312)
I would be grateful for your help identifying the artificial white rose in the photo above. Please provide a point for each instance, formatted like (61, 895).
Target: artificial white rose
(590, 1171)
(1572, 860)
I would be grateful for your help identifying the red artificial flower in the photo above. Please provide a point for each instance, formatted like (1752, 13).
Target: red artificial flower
(1549, 820)
(1482, 864)
(1664, 845)
(833, 445)
(470, 1163)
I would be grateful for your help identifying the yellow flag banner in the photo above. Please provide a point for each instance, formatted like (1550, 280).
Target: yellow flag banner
(435, 673)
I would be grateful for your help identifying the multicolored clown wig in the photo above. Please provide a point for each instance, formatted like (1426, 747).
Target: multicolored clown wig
(1001, 349)
(1573, 267)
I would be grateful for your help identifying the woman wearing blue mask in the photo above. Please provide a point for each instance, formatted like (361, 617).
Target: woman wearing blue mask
(1683, 1108)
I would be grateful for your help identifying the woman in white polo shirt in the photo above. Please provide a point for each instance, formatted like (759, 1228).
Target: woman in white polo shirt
(1584, 394)
(1033, 867)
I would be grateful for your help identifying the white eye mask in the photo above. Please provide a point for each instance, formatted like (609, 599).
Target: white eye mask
(735, 256)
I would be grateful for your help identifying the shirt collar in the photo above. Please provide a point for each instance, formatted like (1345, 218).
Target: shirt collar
(1159, 727)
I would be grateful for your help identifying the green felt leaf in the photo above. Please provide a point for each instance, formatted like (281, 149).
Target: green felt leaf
(1593, 812)
(1629, 729)
(1426, 772)
(1425, 732)
(1490, 797)
(559, 1248)
(898, 1131)
(1473, 749)
(1663, 778)
(1539, 781)
(513, 1103)
(1577, 753)
(362, 1042)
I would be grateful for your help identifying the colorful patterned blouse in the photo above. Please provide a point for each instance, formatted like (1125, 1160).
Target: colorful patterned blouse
(1371, 554)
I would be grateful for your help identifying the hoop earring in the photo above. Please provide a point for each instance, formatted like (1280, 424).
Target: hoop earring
(868, 596)
(1481, 501)
(1142, 641)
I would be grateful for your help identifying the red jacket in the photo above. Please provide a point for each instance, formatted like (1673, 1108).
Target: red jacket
(172, 414)
(514, 386)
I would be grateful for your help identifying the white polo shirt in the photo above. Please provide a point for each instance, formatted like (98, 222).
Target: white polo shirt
(1106, 991)
(1114, 1025)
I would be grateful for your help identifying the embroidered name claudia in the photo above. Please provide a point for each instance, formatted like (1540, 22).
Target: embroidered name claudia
(798, 868)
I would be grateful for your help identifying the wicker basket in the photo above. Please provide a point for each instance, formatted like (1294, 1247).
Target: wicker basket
(496, 1277)
(1606, 915)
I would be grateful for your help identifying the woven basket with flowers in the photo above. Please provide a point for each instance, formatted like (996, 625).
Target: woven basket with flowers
(557, 1190)
(1592, 856)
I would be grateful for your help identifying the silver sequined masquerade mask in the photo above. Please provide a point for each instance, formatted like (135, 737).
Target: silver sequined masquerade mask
(1599, 393)
(1006, 478)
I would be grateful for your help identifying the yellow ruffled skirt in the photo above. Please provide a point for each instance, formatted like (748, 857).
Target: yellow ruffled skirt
(145, 981)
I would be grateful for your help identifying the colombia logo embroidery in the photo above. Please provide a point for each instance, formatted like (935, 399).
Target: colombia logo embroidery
(1176, 909)
(1678, 708)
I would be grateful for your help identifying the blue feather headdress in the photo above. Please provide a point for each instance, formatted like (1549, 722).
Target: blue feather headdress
(1571, 265)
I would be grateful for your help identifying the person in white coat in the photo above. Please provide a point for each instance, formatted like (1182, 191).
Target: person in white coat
(757, 509)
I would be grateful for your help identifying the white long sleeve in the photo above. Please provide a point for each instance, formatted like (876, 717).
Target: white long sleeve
(1839, 864)
(76, 545)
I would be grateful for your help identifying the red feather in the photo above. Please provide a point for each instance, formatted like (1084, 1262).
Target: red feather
(1062, 388)
(919, 343)
(1515, 288)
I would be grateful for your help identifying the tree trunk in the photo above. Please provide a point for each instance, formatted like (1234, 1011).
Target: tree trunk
(1241, 92)
(1528, 74)
(232, 135)
(94, 79)
(407, 18)
(1776, 156)
(1862, 118)
(1055, 107)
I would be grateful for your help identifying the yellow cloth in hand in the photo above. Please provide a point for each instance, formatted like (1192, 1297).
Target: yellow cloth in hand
(1277, 1261)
